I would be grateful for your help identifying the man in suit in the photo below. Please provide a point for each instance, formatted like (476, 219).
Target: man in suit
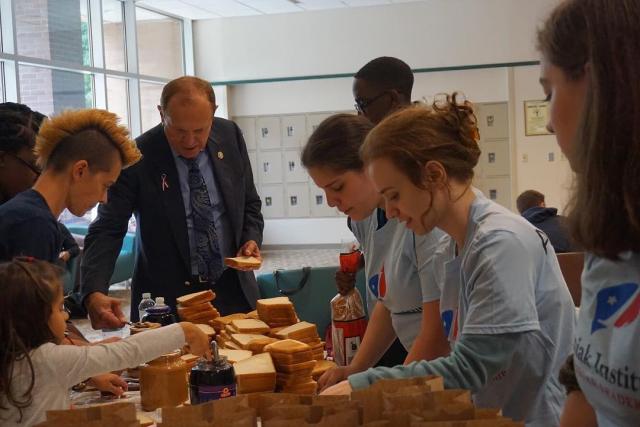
(195, 203)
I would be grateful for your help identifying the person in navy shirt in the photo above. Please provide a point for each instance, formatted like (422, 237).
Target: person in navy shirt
(81, 154)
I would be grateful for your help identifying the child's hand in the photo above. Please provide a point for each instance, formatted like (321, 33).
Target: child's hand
(65, 256)
(197, 340)
(341, 388)
(111, 383)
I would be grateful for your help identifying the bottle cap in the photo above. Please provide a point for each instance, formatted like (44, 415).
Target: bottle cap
(159, 300)
(146, 295)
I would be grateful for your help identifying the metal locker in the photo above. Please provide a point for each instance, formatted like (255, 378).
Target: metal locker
(270, 167)
(495, 158)
(294, 131)
(297, 200)
(313, 120)
(318, 202)
(498, 189)
(268, 132)
(253, 159)
(293, 169)
(272, 201)
(493, 121)
(248, 127)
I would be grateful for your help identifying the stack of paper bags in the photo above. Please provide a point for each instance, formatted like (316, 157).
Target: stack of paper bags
(230, 412)
(116, 414)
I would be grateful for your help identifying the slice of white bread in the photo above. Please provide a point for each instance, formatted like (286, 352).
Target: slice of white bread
(321, 367)
(220, 322)
(256, 373)
(287, 346)
(196, 298)
(234, 356)
(232, 345)
(195, 309)
(250, 326)
(299, 330)
(207, 330)
(243, 340)
(275, 302)
(304, 368)
(243, 262)
(290, 359)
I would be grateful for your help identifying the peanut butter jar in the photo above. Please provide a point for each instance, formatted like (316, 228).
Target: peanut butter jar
(164, 382)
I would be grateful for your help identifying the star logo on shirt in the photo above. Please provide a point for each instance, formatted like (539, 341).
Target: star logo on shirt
(612, 300)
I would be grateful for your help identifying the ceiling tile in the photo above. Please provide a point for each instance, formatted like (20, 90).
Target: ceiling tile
(321, 4)
(356, 3)
(224, 8)
(272, 6)
(179, 8)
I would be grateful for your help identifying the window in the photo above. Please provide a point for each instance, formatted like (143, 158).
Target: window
(113, 35)
(51, 91)
(118, 98)
(159, 44)
(2, 97)
(149, 100)
(55, 30)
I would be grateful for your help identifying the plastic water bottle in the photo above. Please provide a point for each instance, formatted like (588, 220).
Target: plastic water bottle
(159, 313)
(146, 303)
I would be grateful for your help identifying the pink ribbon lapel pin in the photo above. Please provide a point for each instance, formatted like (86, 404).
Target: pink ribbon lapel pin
(164, 183)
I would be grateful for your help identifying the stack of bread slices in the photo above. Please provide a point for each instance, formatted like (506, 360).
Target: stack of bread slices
(277, 312)
(197, 307)
(294, 363)
(304, 332)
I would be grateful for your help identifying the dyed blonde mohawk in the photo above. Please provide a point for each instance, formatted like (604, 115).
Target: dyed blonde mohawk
(71, 122)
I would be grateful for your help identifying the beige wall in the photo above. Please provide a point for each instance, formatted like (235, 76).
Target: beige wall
(531, 155)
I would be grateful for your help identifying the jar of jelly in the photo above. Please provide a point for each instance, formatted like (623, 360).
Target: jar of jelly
(159, 313)
(212, 380)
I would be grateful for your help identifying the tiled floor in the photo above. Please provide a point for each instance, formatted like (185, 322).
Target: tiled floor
(272, 259)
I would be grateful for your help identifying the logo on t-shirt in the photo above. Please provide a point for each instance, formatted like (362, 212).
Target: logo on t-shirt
(378, 285)
(450, 324)
(623, 298)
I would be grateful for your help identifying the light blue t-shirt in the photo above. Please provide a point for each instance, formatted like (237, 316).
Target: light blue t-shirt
(506, 280)
(393, 272)
(607, 345)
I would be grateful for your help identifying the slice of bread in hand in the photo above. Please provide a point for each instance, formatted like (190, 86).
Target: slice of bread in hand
(196, 298)
(243, 262)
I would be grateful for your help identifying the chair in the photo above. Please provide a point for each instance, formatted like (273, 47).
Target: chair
(312, 301)
(123, 270)
(571, 264)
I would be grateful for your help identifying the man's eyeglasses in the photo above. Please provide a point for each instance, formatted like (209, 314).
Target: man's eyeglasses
(362, 104)
(35, 169)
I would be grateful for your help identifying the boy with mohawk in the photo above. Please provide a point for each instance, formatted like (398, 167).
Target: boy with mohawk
(81, 154)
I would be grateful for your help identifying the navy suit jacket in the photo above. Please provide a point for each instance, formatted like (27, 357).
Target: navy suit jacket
(150, 189)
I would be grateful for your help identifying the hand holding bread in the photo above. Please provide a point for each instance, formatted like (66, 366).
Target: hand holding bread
(197, 340)
(249, 250)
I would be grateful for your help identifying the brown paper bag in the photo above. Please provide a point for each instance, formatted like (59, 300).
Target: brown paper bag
(434, 382)
(449, 412)
(500, 422)
(371, 401)
(113, 414)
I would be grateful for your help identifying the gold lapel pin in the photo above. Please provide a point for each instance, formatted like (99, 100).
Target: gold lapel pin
(220, 155)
